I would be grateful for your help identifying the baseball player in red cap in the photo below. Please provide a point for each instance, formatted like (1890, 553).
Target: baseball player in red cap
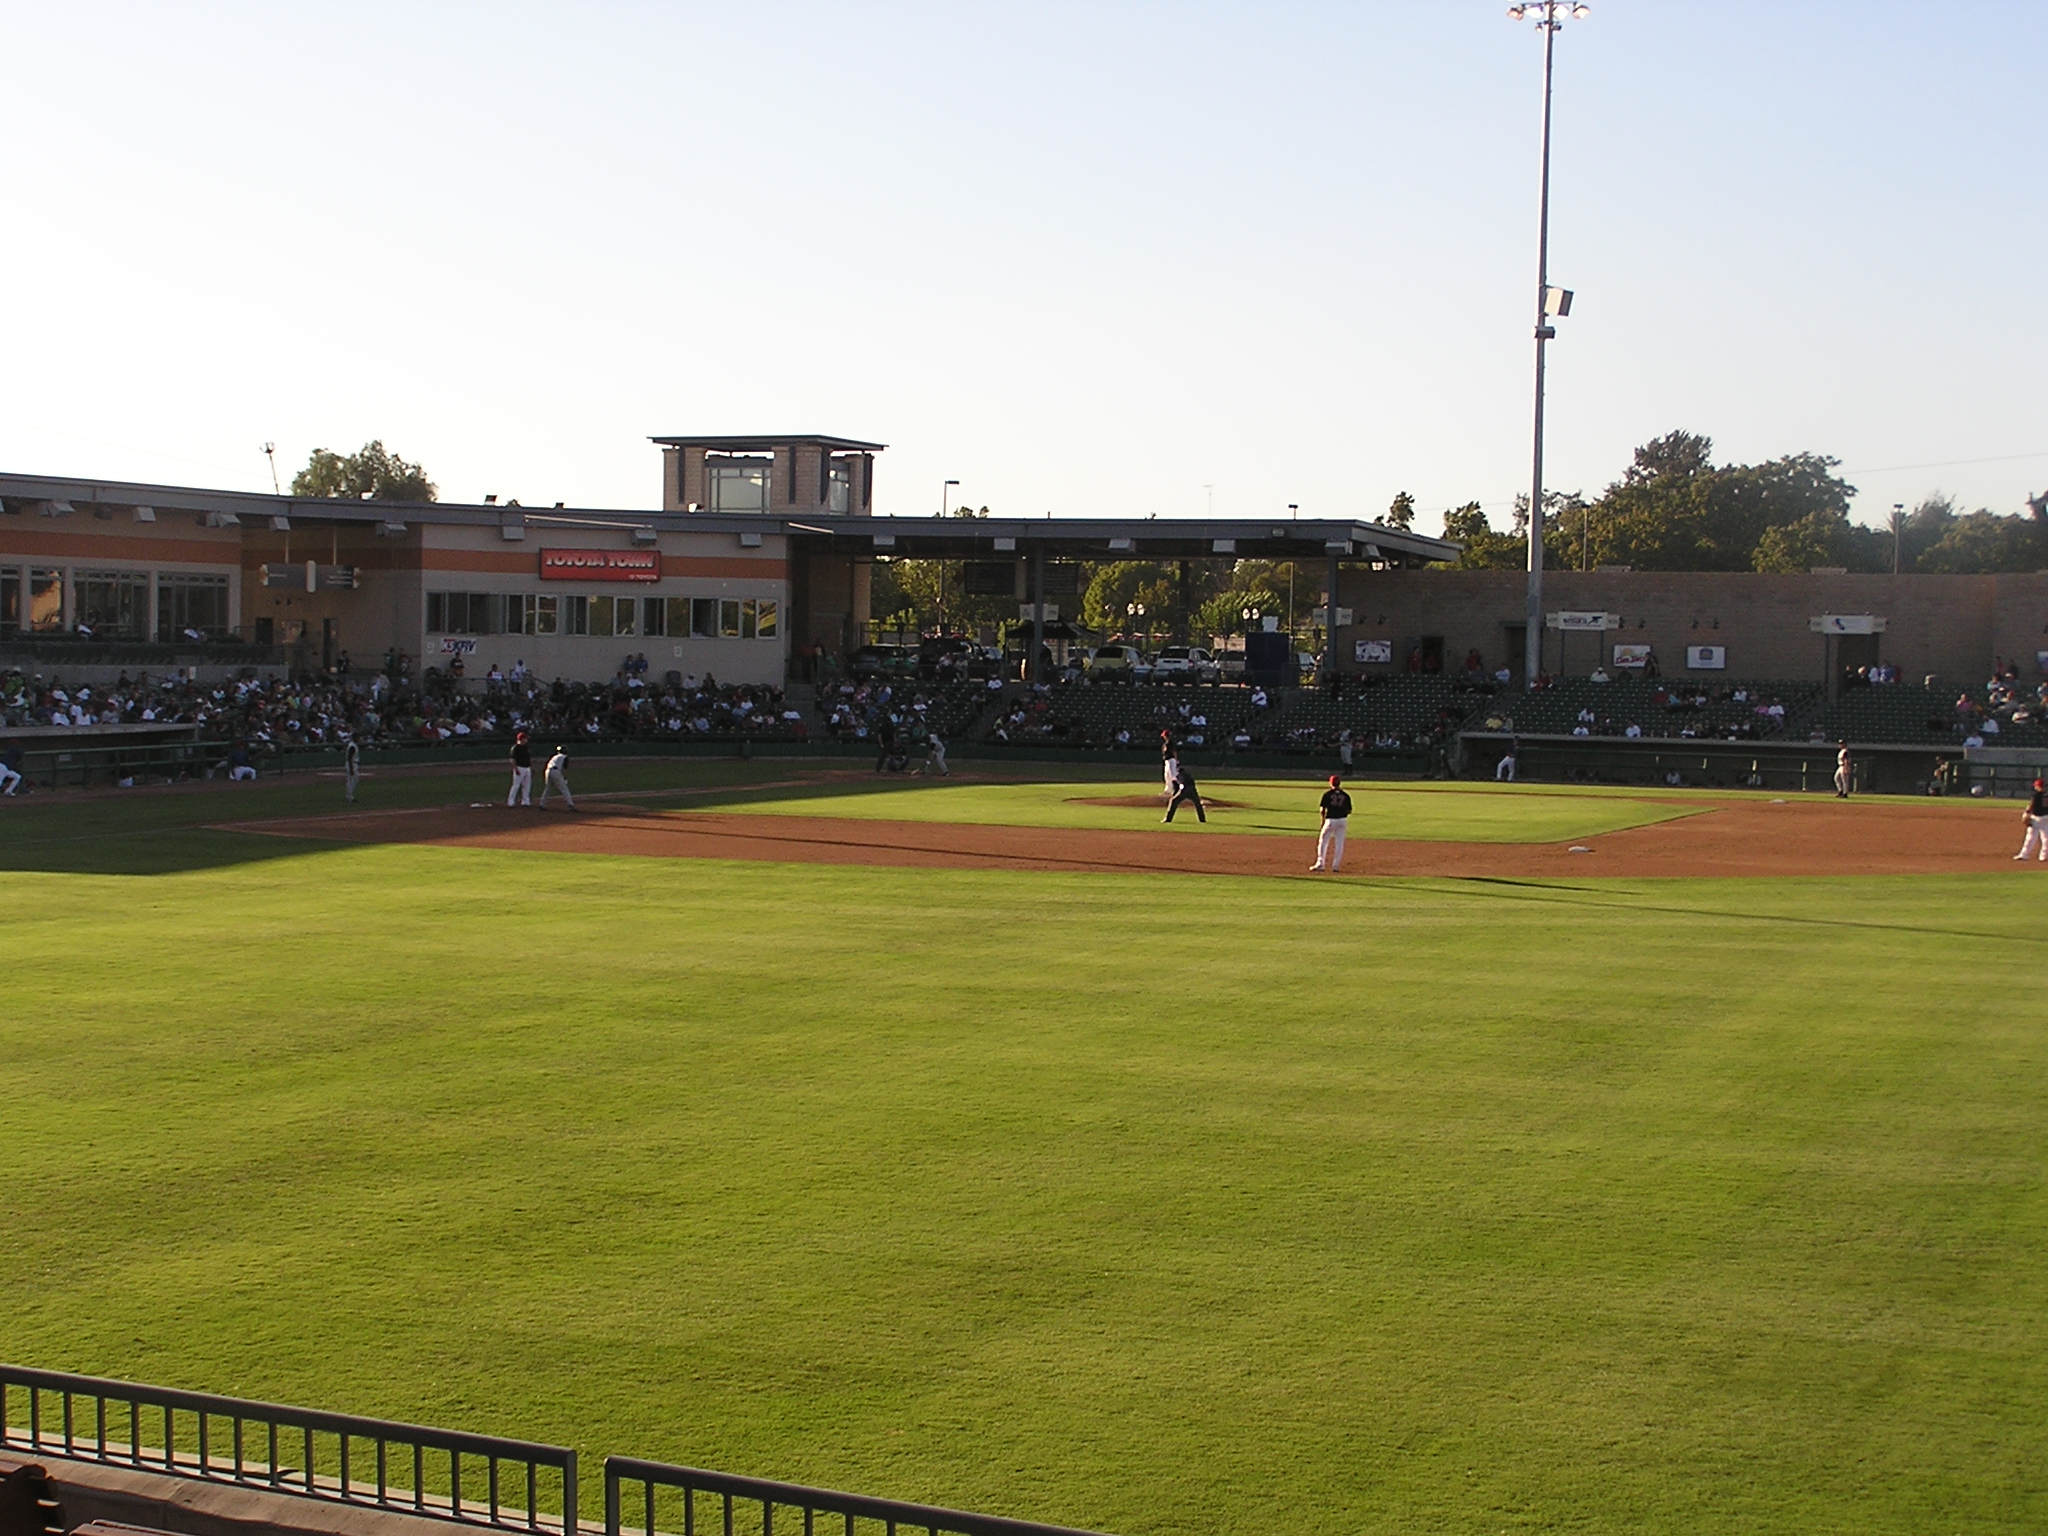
(521, 792)
(2036, 817)
(1336, 816)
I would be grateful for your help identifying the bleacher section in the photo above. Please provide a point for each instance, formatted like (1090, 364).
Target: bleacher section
(1385, 714)
(1122, 715)
(1732, 711)
(1896, 712)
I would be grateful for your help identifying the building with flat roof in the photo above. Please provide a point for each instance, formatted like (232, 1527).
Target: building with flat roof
(759, 555)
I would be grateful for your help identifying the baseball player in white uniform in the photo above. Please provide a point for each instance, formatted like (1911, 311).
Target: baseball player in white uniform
(1842, 773)
(1336, 808)
(557, 778)
(351, 768)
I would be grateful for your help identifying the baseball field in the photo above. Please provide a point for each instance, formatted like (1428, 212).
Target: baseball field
(988, 1143)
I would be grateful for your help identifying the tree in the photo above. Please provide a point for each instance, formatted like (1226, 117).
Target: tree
(1982, 542)
(1675, 510)
(1401, 514)
(1116, 586)
(373, 471)
(1821, 538)
(1485, 550)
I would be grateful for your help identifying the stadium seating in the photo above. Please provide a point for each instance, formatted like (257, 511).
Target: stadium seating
(1895, 712)
(1662, 711)
(1099, 714)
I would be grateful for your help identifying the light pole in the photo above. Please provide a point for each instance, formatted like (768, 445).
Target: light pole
(1550, 17)
(943, 498)
(1898, 532)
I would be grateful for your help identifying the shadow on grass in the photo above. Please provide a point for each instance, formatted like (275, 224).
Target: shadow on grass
(176, 830)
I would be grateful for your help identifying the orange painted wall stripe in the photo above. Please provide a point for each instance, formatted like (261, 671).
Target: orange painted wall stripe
(38, 543)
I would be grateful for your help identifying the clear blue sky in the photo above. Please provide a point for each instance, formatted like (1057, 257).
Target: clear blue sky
(1087, 259)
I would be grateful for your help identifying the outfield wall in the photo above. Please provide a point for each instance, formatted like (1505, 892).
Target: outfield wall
(1951, 627)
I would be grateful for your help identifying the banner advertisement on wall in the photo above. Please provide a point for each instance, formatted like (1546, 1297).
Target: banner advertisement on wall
(1375, 651)
(600, 565)
(1632, 656)
(1582, 621)
(1706, 658)
(452, 645)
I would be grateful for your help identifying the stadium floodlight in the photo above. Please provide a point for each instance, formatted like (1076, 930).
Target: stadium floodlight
(1550, 17)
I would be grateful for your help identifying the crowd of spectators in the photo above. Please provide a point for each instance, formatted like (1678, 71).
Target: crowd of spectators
(387, 709)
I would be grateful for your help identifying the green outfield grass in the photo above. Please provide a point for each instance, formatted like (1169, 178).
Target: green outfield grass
(1280, 808)
(1149, 1203)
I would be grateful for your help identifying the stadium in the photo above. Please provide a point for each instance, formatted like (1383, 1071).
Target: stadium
(773, 1125)
(723, 995)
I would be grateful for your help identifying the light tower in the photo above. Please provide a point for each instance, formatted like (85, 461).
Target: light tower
(1550, 17)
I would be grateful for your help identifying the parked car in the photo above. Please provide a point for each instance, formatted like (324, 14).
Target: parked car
(1116, 663)
(882, 661)
(1185, 664)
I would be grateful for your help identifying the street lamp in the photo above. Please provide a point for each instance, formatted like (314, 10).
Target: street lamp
(1550, 16)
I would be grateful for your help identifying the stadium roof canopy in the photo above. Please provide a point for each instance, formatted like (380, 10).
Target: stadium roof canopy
(950, 538)
(1125, 538)
(757, 443)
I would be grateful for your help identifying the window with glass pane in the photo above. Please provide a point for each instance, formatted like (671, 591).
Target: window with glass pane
(678, 615)
(625, 615)
(654, 616)
(518, 614)
(546, 615)
(767, 614)
(600, 616)
(10, 599)
(729, 617)
(746, 618)
(839, 489)
(188, 603)
(575, 615)
(704, 616)
(113, 604)
(437, 613)
(46, 600)
(738, 485)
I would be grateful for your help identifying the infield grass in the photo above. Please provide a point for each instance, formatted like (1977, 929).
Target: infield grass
(1278, 808)
(1149, 1203)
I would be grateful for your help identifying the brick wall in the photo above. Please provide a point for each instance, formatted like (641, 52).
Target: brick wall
(1950, 626)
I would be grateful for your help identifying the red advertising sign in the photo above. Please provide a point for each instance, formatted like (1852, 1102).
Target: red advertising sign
(600, 565)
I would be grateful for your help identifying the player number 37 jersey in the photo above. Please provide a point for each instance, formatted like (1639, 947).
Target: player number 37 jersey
(1336, 805)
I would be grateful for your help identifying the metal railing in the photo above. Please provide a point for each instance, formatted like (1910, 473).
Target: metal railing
(302, 1451)
(729, 1496)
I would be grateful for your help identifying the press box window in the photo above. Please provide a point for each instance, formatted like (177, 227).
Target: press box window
(839, 488)
(654, 616)
(113, 604)
(575, 615)
(191, 603)
(46, 601)
(10, 599)
(738, 485)
(463, 613)
(613, 615)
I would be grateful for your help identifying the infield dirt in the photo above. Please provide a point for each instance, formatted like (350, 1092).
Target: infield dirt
(1731, 837)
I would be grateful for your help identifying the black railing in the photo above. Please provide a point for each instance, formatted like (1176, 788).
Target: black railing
(302, 1451)
(730, 1496)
